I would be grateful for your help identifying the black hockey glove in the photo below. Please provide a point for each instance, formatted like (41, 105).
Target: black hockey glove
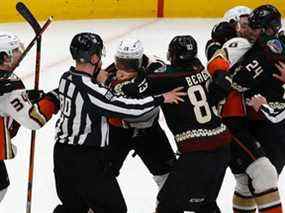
(223, 32)
(7, 86)
(219, 88)
(35, 95)
(137, 86)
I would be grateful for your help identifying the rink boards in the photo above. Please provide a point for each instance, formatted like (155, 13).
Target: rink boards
(91, 9)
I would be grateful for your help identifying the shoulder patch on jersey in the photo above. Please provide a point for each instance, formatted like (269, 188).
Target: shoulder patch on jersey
(275, 46)
(109, 95)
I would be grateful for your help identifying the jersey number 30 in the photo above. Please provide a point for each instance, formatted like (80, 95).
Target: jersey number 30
(65, 105)
(198, 99)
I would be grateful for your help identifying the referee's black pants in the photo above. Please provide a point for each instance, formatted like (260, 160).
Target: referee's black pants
(81, 182)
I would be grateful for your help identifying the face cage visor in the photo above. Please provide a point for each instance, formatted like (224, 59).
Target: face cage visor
(127, 64)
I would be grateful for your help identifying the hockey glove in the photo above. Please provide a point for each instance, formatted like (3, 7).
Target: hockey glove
(34, 95)
(219, 88)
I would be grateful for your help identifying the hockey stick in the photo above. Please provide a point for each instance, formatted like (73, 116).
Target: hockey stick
(31, 44)
(28, 16)
(25, 12)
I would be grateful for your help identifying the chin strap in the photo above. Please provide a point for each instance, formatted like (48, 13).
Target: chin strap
(96, 70)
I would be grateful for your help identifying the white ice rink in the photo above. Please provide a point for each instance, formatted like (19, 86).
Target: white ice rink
(137, 185)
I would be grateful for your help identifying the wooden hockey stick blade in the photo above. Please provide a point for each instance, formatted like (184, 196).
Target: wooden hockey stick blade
(28, 16)
(31, 44)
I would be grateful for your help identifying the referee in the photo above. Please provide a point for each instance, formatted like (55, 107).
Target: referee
(82, 132)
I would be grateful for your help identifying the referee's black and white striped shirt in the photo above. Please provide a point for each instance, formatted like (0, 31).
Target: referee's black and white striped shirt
(273, 115)
(84, 106)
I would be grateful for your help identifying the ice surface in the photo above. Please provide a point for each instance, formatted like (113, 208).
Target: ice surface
(136, 183)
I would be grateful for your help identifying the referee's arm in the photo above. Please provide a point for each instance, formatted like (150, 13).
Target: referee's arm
(111, 105)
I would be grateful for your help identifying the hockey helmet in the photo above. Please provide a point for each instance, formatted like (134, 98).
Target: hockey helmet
(182, 48)
(234, 14)
(129, 54)
(265, 16)
(84, 45)
(8, 43)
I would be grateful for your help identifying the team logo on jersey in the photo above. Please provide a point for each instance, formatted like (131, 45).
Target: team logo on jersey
(275, 46)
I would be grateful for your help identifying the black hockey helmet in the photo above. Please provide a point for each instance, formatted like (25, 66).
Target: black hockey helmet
(181, 49)
(84, 45)
(223, 32)
(265, 16)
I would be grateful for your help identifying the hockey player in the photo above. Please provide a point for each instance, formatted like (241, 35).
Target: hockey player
(143, 134)
(238, 18)
(235, 23)
(15, 104)
(82, 131)
(202, 139)
(246, 68)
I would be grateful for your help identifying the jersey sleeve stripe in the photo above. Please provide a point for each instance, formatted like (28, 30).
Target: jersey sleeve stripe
(106, 93)
(118, 109)
(271, 115)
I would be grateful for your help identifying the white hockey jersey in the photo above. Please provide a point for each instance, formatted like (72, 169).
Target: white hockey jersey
(16, 106)
(235, 48)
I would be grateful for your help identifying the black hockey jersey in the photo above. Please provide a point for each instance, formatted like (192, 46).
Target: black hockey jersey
(194, 123)
(253, 73)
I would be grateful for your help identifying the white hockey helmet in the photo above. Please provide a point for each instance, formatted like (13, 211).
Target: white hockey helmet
(235, 13)
(9, 42)
(129, 53)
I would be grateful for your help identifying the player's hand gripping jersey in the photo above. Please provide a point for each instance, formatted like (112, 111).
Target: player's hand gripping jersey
(194, 123)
